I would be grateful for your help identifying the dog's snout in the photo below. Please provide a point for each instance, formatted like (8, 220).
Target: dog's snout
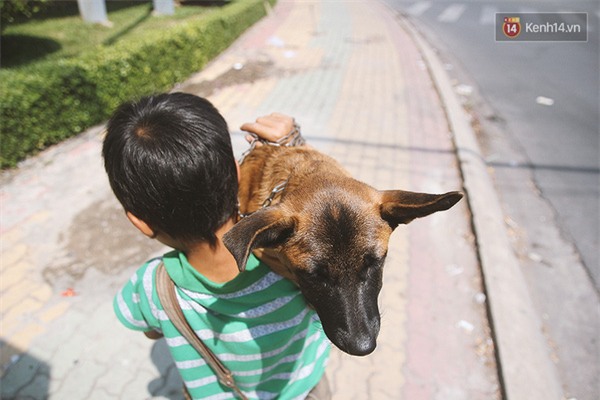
(359, 341)
(361, 346)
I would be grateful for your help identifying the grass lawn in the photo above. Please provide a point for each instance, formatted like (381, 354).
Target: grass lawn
(60, 75)
(62, 34)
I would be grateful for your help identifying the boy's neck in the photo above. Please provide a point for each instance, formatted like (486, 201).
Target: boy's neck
(215, 263)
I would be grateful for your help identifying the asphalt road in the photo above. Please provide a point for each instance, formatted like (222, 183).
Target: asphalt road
(558, 142)
(536, 109)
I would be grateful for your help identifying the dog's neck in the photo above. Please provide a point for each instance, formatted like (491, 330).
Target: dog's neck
(267, 167)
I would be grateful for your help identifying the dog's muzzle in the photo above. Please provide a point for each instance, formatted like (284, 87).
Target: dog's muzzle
(360, 342)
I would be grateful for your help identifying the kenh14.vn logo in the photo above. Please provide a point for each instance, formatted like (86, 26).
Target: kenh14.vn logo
(511, 27)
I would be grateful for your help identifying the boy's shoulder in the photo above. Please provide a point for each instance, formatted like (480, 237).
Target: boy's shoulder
(144, 274)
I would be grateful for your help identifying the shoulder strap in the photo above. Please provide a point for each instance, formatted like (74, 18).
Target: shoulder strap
(168, 298)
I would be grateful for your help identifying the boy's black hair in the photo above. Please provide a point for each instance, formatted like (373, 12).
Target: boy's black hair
(170, 163)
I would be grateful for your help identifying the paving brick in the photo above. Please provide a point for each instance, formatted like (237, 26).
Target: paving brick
(53, 312)
(13, 254)
(22, 338)
(24, 376)
(85, 373)
(139, 384)
(41, 292)
(19, 314)
(12, 276)
(70, 356)
(15, 295)
(115, 379)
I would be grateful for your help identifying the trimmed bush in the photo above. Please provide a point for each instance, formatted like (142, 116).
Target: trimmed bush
(49, 102)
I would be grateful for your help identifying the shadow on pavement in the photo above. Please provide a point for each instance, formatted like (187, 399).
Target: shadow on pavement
(169, 384)
(23, 375)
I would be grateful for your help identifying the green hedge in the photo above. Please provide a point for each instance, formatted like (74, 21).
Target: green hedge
(47, 103)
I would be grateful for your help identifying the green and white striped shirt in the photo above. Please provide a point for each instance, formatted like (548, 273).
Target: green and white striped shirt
(258, 324)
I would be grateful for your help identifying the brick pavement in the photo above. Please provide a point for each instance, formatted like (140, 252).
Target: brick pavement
(357, 84)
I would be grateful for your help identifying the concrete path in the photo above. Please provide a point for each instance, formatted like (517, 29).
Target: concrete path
(357, 83)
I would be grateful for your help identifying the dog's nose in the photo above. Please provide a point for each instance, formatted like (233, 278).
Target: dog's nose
(360, 346)
(357, 339)
(363, 347)
(356, 342)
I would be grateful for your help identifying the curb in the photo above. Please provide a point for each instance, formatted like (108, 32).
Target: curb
(525, 369)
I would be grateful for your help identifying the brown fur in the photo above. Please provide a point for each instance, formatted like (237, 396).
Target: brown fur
(327, 232)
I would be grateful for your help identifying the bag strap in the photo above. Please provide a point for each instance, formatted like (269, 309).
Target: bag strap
(168, 298)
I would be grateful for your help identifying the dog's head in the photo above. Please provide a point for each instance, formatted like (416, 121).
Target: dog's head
(333, 243)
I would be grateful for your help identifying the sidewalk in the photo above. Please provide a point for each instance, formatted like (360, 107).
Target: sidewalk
(357, 83)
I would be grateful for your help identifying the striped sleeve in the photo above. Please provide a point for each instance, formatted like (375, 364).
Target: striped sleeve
(133, 304)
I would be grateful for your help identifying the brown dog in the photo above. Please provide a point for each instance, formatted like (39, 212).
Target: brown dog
(325, 231)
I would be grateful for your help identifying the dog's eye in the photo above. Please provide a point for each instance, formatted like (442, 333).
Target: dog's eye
(318, 271)
(371, 264)
(371, 260)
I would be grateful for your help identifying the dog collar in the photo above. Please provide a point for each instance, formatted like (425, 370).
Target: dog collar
(293, 138)
(280, 187)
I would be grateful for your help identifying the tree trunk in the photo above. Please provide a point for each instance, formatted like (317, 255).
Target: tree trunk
(93, 11)
(164, 7)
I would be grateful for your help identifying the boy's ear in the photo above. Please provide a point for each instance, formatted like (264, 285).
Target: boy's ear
(141, 225)
(266, 228)
(401, 207)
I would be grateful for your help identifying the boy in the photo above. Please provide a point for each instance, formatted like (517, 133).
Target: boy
(170, 163)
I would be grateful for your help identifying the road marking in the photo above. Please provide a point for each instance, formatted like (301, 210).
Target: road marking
(488, 15)
(527, 10)
(419, 8)
(452, 13)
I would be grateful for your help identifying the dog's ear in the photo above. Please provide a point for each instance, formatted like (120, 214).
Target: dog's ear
(401, 207)
(266, 228)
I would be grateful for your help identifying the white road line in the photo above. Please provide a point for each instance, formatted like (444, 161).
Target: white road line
(488, 15)
(527, 10)
(419, 8)
(452, 13)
